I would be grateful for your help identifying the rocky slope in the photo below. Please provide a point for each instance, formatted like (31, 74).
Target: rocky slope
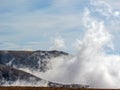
(10, 75)
(11, 61)
(30, 59)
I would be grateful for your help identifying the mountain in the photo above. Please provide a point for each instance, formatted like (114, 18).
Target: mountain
(30, 59)
(10, 76)
(11, 61)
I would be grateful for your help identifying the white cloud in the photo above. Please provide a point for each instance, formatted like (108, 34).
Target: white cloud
(37, 25)
(117, 14)
(114, 3)
(58, 43)
(61, 16)
(102, 7)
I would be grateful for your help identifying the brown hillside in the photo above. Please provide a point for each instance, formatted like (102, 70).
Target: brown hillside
(47, 88)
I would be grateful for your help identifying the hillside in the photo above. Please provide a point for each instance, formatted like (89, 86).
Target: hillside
(10, 75)
(30, 59)
(46, 88)
(11, 61)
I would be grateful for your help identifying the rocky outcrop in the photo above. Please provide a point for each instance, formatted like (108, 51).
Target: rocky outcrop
(10, 75)
(11, 61)
(30, 59)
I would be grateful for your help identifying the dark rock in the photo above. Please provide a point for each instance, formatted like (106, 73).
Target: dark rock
(30, 59)
(9, 74)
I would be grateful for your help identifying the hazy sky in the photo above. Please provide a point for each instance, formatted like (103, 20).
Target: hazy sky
(51, 24)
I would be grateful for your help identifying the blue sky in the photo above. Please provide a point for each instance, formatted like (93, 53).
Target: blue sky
(34, 24)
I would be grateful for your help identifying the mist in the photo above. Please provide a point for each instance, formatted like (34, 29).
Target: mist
(31, 83)
(91, 64)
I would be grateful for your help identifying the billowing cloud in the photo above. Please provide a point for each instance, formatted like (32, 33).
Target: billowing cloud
(28, 21)
(58, 43)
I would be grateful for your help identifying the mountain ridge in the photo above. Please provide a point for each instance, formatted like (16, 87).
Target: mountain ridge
(31, 59)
